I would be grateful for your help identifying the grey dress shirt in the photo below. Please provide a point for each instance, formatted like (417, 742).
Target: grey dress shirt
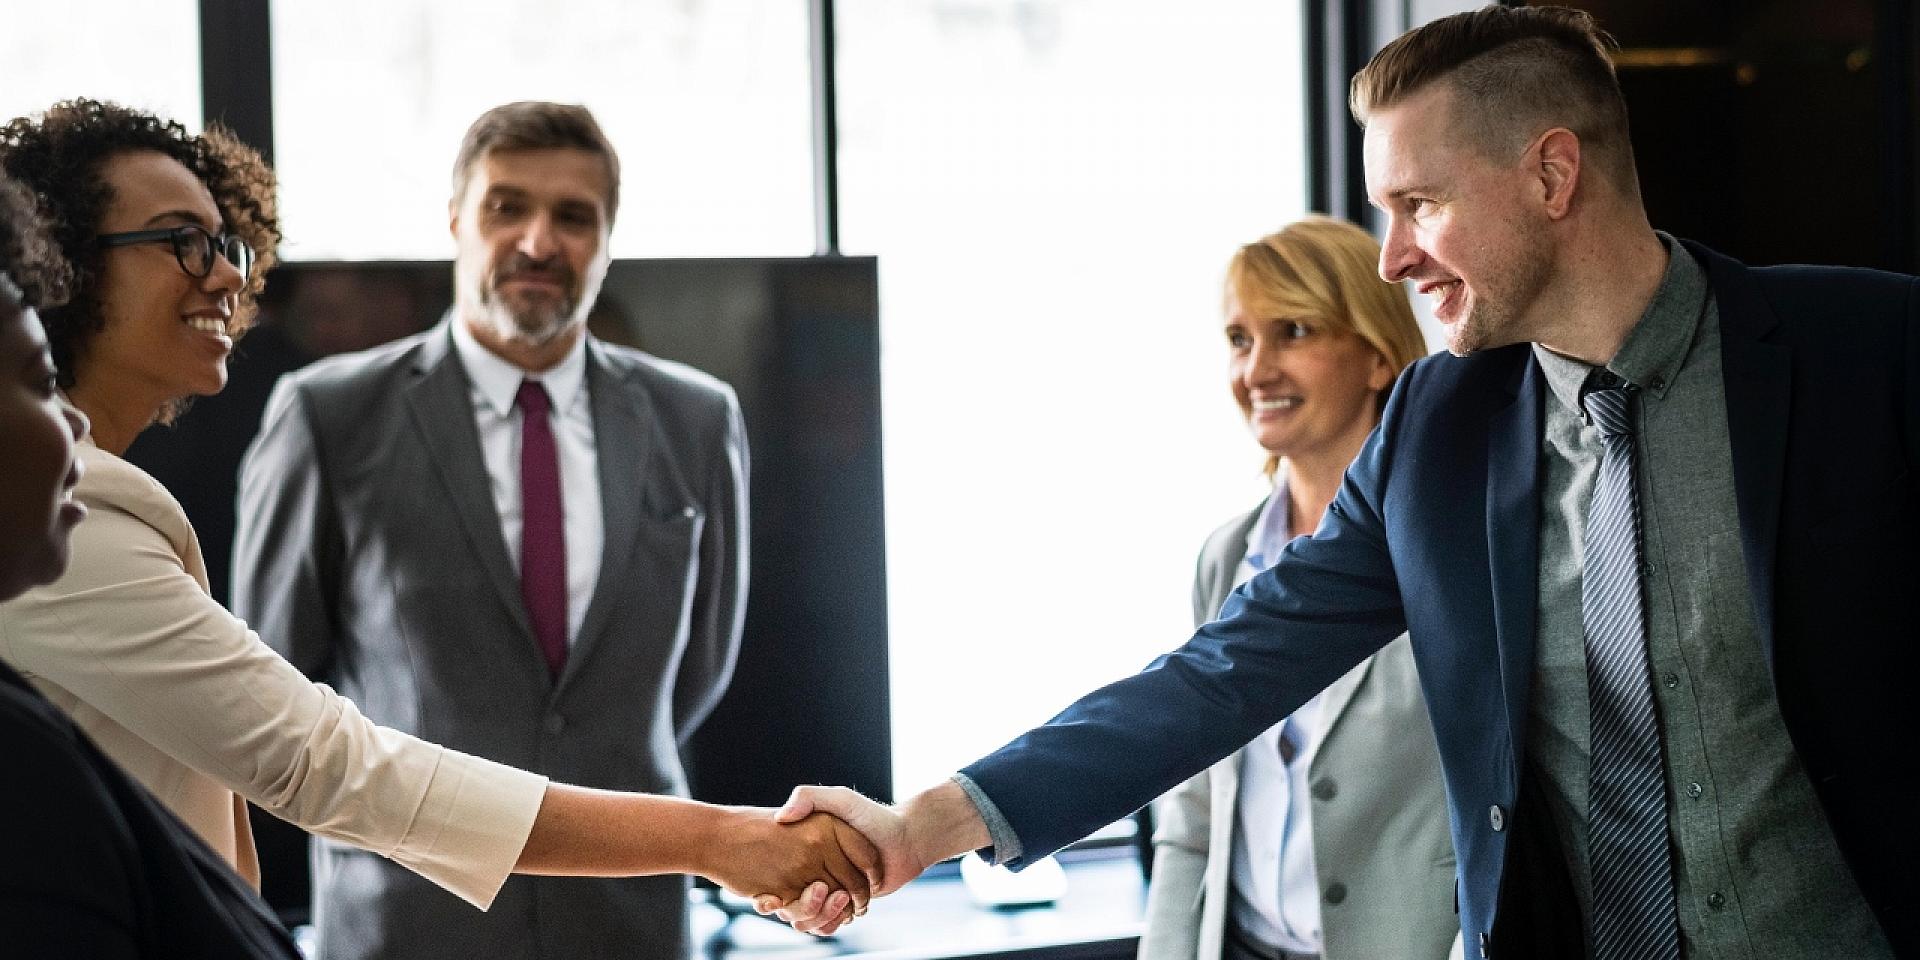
(1756, 868)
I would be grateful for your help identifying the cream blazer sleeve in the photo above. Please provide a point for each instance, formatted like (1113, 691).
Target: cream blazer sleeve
(193, 705)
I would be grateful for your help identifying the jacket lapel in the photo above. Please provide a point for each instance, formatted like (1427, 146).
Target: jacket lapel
(1334, 699)
(1221, 565)
(441, 406)
(622, 418)
(1758, 379)
(1513, 529)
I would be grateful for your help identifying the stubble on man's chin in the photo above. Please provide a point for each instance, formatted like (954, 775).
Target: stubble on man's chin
(1464, 338)
(1483, 328)
(539, 332)
(531, 327)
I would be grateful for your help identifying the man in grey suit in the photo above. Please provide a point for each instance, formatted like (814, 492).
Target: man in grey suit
(510, 538)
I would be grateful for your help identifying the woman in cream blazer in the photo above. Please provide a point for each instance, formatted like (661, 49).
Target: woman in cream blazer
(162, 228)
(1352, 781)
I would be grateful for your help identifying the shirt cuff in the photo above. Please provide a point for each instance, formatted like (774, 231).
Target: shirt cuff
(1006, 844)
(476, 815)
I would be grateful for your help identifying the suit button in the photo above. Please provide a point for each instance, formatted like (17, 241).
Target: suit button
(556, 723)
(1336, 893)
(1694, 790)
(1325, 790)
(1716, 901)
(1497, 817)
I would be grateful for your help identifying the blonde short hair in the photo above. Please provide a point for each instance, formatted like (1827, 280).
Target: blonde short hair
(1325, 269)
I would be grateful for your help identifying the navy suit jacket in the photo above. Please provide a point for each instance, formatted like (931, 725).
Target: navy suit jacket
(1435, 530)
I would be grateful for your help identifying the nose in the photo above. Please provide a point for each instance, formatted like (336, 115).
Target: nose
(1398, 253)
(224, 279)
(1263, 363)
(537, 241)
(76, 421)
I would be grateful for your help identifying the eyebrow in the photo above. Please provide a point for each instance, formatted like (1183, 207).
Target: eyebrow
(180, 214)
(507, 190)
(1397, 194)
(1400, 193)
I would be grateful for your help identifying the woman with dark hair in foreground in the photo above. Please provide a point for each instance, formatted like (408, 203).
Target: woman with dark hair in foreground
(95, 867)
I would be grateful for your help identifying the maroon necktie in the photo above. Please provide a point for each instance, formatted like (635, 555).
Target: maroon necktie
(543, 539)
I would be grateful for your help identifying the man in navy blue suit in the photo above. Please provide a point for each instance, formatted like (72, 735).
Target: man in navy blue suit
(1652, 528)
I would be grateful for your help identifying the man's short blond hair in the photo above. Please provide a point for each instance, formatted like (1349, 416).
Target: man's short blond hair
(1516, 72)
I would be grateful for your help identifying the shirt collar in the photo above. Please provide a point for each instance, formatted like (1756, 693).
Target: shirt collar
(1271, 529)
(499, 381)
(1658, 344)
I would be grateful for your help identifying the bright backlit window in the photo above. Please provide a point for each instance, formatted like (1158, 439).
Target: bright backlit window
(143, 53)
(706, 102)
(1054, 189)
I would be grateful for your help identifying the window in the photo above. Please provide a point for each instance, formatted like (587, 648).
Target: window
(1053, 189)
(143, 53)
(706, 102)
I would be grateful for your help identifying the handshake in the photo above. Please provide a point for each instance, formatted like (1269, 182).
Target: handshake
(817, 862)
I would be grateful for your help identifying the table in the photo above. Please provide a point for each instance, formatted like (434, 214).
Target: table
(932, 918)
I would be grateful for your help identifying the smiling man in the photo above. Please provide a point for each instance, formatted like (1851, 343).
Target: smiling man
(507, 537)
(1651, 527)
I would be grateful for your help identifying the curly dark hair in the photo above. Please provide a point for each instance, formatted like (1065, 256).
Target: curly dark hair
(28, 256)
(58, 156)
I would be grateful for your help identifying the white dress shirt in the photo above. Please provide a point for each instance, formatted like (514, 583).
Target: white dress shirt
(495, 382)
(1276, 893)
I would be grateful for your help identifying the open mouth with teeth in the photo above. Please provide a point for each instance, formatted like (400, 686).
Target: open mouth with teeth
(211, 326)
(1277, 403)
(1442, 293)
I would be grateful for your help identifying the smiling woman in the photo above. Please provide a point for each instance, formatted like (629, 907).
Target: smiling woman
(169, 315)
(154, 175)
(1314, 340)
(37, 511)
(159, 227)
(102, 873)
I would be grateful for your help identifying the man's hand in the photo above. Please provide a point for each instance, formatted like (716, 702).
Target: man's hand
(932, 826)
(765, 858)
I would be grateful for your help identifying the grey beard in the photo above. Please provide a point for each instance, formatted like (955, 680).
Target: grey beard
(515, 326)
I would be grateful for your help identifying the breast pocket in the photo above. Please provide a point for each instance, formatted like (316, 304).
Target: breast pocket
(665, 559)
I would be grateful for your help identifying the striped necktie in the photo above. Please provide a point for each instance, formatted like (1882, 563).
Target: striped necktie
(1634, 914)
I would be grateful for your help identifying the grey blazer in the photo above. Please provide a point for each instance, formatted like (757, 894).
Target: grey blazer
(369, 553)
(1380, 839)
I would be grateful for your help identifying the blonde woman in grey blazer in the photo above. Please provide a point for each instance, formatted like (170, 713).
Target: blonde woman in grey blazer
(1327, 836)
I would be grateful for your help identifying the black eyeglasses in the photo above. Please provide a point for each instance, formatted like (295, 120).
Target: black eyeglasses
(192, 245)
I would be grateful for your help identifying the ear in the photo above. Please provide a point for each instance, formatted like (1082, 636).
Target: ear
(1379, 374)
(1557, 154)
(453, 216)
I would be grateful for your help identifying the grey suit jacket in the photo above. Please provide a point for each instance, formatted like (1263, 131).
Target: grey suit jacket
(369, 552)
(1380, 840)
